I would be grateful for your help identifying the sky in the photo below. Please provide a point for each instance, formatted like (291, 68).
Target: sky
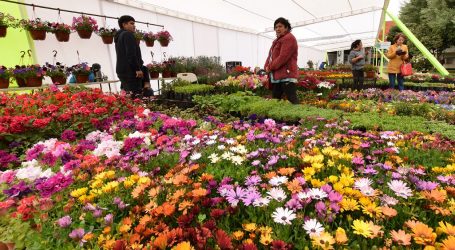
(395, 5)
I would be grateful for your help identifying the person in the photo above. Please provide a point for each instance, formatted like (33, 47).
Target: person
(357, 59)
(147, 91)
(397, 53)
(129, 58)
(322, 65)
(281, 63)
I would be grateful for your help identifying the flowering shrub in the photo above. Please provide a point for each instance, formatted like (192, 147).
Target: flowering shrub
(84, 23)
(163, 35)
(60, 27)
(243, 81)
(155, 67)
(7, 20)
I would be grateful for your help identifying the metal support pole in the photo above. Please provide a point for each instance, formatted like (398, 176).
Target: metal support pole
(382, 57)
(427, 54)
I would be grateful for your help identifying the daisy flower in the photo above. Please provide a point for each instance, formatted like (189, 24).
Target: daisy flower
(317, 193)
(283, 216)
(278, 180)
(313, 227)
(277, 194)
(400, 188)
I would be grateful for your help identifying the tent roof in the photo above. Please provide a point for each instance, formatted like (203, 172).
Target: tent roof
(323, 24)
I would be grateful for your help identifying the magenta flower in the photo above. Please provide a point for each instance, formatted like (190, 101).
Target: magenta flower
(64, 222)
(77, 234)
(108, 219)
(234, 196)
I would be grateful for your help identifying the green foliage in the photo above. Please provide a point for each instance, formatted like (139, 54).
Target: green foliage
(427, 157)
(194, 89)
(14, 230)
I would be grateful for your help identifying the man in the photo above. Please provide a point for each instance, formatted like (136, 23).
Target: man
(129, 58)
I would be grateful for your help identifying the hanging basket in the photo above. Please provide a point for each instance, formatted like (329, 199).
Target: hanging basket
(85, 34)
(34, 81)
(59, 80)
(107, 39)
(62, 36)
(3, 31)
(149, 43)
(166, 74)
(4, 83)
(81, 78)
(154, 75)
(38, 34)
(21, 82)
(164, 43)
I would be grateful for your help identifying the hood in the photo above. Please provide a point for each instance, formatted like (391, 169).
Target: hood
(118, 34)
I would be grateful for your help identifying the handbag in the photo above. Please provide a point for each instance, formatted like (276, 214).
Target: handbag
(406, 69)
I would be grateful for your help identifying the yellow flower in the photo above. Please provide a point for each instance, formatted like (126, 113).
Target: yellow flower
(372, 210)
(348, 204)
(362, 228)
(340, 236)
(96, 184)
(249, 227)
(266, 239)
(144, 180)
(449, 243)
(317, 165)
(237, 235)
(124, 228)
(128, 183)
(347, 180)
(317, 183)
(78, 192)
(323, 241)
(110, 174)
(248, 241)
(333, 179)
(365, 201)
(183, 246)
(265, 230)
(339, 187)
(110, 186)
(446, 228)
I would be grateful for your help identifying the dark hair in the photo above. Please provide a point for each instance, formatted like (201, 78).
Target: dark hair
(397, 36)
(284, 22)
(124, 19)
(355, 44)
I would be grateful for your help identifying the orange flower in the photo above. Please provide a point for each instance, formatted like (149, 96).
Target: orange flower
(177, 194)
(450, 190)
(185, 205)
(145, 219)
(435, 195)
(206, 177)
(294, 186)
(270, 175)
(88, 236)
(447, 228)
(160, 241)
(124, 228)
(401, 237)
(135, 238)
(439, 210)
(375, 230)
(448, 244)
(389, 212)
(423, 235)
(127, 221)
(180, 179)
(106, 230)
(200, 192)
(168, 209)
(340, 236)
(286, 171)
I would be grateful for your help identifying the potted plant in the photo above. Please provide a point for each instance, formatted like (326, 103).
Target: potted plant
(84, 25)
(370, 70)
(58, 73)
(5, 75)
(6, 21)
(154, 70)
(149, 39)
(164, 37)
(107, 35)
(36, 28)
(29, 76)
(81, 72)
(139, 35)
(62, 31)
(166, 73)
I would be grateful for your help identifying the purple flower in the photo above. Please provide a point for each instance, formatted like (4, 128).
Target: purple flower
(253, 180)
(320, 208)
(427, 185)
(294, 204)
(34, 152)
(326, 188)
(250, 197)
(358, 160)
(335, 196)
(64, 221)
(68, 135)
(49, 159)
(108, 219)
(335, 207)
(273, 160)
(97, 213)
(52, 185)
(233, 196)
(18, 190)
(370, 170)
(77, 234)
(6, 159)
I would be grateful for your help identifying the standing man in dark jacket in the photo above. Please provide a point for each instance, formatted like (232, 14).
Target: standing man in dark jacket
(129, 58)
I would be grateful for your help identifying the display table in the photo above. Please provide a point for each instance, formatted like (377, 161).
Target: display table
(61, 86)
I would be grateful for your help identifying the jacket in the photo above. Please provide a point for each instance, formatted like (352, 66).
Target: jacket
(395, 62)
(282, 59)
(129, 58)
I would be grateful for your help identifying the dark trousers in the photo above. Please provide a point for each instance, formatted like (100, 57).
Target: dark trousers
(358, 77)
(399, 77)
(287, 88)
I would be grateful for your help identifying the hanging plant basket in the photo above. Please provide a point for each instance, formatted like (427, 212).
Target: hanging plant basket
(21, 82)
(3, 31)
(34, 81)
(84, 34)
(149, 43)
(62, 36)
(81, 78)
(38, 34)
(164, 43)
(59, 80)
(4, 83)
(166, 74)
(154, 75)
(107, 39)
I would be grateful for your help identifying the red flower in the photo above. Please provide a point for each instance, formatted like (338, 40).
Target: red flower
(223, 240)
(119, 245)
(41, 123)
(217, 213)
(248, 247)
(100, 111)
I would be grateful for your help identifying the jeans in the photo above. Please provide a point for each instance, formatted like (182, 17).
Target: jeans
(358, 77)
(393, 77)
(287, 88)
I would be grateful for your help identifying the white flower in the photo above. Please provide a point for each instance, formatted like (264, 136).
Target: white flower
(210, 142)
(303, 195)
(278, 180)
(230, 141)
(261, 202)
(214, 158)
(237, 160)
(285, 128)
(313, 227)
(227, 155)
(283, 216)
(317, 193)
(146, 112)
(187, 137)
(363, 183)
(145, 136)
(33, 172)
(109, 148)
(195, 156)
(213, 137)
(196, 142)
(277, 194)
(221, 147)
(240, 149)
(400, 188)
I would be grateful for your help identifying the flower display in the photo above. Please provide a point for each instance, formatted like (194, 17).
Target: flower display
(243, 81)
(163, 35)
(60, 27)
(36, 24)
(106, 31)
(85, 23)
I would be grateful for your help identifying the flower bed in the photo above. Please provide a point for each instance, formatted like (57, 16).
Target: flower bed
(166, 183)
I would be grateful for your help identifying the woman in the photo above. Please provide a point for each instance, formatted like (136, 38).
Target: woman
(398, 52)
(357, 59)
(281, 64)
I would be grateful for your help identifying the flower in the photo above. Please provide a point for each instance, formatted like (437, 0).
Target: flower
(108, 219)
(323, 241)
(64, 221)
(313, 227)
(400, 188)
(401, 237)
(317, 193)
(84, 23)
(163, 36)
(340, 236)
(278, 180)
(423, 235)
(283, 216)
(77, 234)
(233, 196)
(362, 228)
(261, 202)
(277, 194)
(448, 244)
